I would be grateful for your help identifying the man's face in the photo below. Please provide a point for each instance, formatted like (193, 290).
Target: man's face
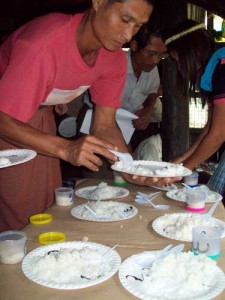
(150, 56)
(114, 25)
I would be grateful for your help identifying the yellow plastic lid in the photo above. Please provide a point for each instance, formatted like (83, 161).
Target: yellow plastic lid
(40, 219)
(51, 237)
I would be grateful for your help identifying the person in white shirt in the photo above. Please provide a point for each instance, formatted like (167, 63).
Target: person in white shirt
(147, 49)
(140, 94)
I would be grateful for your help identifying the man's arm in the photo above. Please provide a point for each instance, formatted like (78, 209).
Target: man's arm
(145, 113)
(197, 142)
(80, 152)
(104, 126)
(212, 140)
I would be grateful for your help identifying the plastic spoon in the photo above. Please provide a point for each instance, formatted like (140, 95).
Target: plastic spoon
(159, 206)
(110, 250)
(177, 249)
(166, 251)
(94, 213)
(126, 158)
(156, 206)
(187, 186)
(158, 256)
(148, 195)
(209, 214)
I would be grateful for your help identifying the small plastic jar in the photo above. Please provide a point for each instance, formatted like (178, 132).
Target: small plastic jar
(195, 200)
(12, 246)
(206, 239)
(191, 180)
(64, 196)
(118, 179)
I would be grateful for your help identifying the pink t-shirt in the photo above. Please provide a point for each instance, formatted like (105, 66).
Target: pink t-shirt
(40, 64)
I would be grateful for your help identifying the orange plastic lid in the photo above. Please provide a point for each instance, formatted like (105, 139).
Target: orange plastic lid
(51, 237)
(40, 219)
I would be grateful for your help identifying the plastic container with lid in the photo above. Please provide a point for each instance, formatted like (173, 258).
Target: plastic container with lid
(191, 180)
(195, 200)
(118, 179)
(64, 196)
(206, 240)
(12, 246)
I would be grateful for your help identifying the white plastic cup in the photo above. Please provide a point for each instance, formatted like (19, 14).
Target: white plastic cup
(118, 179)
(195, 200)
(64, 196)
(191, 180)
(206, 239)
(12, 246)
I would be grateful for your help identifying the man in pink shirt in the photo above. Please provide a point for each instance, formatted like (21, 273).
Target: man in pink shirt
(49, 61)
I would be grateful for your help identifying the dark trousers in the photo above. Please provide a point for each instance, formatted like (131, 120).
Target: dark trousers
(140, 135)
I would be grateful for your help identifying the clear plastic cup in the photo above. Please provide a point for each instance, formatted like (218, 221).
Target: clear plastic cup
(206, 239)
(191, 180)
(118, 179)
(64, 196)
(195, 200)
(12, 246)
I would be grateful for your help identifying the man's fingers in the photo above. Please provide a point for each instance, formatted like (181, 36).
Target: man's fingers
(148, 181)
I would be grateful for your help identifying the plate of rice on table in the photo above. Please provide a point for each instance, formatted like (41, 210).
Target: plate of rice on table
(181, 194)
(152, 169)
(165, 187)
(102, 191)
(175, 276)
(14, 157)
(71, 265)
(178, 226)
(104, 211)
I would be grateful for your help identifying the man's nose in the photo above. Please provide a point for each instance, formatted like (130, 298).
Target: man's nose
(156, 59)
(129, 32)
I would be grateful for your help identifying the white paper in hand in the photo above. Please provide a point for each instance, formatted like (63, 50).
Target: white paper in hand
(124, 120)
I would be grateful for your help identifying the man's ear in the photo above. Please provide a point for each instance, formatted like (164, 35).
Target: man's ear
(134, 45)
(97, 3)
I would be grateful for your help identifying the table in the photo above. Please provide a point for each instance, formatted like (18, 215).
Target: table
(134, 235)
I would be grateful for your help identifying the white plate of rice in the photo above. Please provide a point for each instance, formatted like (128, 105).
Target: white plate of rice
(179, 226)
(71, 265)
(14, 157)
(165, 187)
(110, 211)
(152, 169)
(101, 191)
(181, 195)
(182, 276)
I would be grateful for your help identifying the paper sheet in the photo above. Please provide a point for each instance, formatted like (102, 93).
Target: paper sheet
(124, 120)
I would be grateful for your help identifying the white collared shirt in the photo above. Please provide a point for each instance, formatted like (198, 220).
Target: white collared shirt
(136, 90)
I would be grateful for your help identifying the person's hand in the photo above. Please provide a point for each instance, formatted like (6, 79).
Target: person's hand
(84, 151)
(149, 181)
(143, 121)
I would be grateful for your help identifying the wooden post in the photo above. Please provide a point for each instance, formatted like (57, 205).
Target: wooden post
(175, 117)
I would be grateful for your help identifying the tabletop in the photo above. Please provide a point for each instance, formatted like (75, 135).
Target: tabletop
(133, 235)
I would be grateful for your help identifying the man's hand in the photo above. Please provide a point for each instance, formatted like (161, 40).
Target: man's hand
(149, 181)
(85, 151)
(143, 121)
